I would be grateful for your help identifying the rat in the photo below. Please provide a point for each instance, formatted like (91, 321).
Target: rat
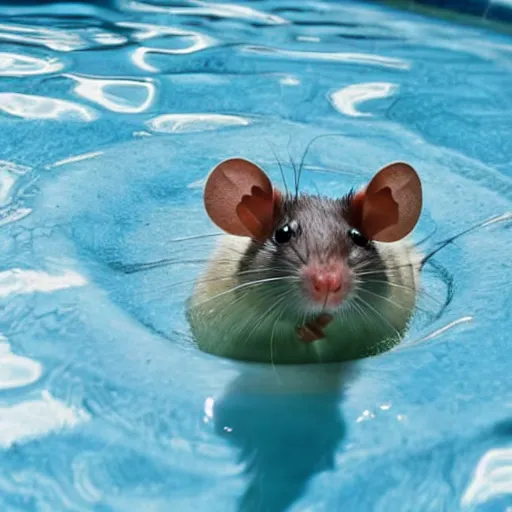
(300, 278)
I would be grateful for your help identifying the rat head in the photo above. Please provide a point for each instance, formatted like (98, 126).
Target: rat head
(311, 249)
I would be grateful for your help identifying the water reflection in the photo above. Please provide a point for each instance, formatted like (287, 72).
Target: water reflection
(199, 8)
(15, 180)
(199, 42)
(29, 106)
(143, 31)
(16, 371)
(346, 100)
(76, 158)
(22, 421)
(21, 281)
(123, 96)
(492, 478)
(34, 418)
(15, 64)
(347, 57)
(286, 424)
(10, 174)
(168, 123)
(57, 39)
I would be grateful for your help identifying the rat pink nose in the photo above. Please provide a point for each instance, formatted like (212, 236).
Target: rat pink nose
(326, 284)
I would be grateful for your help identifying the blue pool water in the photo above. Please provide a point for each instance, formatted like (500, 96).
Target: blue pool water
(110, 117)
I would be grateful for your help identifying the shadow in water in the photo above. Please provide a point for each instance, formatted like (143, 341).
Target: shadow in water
(287, 424)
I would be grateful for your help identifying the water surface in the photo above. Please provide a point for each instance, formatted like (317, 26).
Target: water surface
(111, 117)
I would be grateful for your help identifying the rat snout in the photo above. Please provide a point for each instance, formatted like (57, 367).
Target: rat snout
(326, 284)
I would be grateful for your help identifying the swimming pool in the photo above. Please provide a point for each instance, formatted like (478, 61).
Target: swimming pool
(111, 118)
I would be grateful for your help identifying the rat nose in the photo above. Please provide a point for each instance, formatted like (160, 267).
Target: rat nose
(326, 284)
(326, 281)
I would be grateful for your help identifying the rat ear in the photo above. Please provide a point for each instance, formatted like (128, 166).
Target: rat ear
(390, 206)
(240, 199)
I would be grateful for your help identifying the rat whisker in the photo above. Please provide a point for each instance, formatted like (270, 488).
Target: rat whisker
(377, 313)
(233, 307)
(200, 280)
(388, 283)
(325, 301)
(425, 239)
(362, 313)
(362, 267)
(386, 270)
(279, 299)
(245, 285)
(274, 272)
(346, 314)
(412, 289)
(280, 168)
(308, 147)
(277, 320)
(392, 302)
(263, 299)
(301, 258)
(158, 291)
(292, 165)
(196, 237)
(441, 245)
(133, 268)
(305, 314)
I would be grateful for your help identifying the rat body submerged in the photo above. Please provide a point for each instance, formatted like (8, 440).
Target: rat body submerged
(230, 322)
(303, 279)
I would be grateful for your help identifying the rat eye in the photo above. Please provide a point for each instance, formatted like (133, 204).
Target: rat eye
(285, 233)
(357, 237)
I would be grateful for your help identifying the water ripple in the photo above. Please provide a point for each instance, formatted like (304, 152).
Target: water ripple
(83, 482)
(20, 281)
(15, 179)
(59, 39)
(76, 158)
(199, 42)
(13, 64)
(30, 106)
(169, 123)
(16, 371)
(371, 59)
(123, 96)
(34, 418)
(347, 99)
(10, 174)
(6, 217)
(492, 478)
(198, 8)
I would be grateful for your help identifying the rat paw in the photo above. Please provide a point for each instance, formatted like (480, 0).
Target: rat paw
(313, 330)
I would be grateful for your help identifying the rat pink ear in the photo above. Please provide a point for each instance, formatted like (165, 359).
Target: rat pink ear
(390, 206)
(240, 199)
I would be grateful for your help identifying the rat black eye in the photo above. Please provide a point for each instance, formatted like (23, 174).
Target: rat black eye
(284, 234)
(357, 237)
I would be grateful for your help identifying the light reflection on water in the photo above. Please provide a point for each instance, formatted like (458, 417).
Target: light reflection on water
(29, 106)
(12, 64)
(123, 96)
(194, 122)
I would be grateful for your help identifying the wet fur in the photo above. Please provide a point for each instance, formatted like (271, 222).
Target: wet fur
(232, 318)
